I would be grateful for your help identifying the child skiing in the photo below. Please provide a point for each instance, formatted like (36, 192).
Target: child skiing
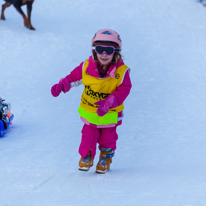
(106, 83)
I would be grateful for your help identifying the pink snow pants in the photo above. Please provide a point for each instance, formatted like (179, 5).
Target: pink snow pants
(106, 137)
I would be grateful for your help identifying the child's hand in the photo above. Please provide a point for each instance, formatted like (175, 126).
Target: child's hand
(56, 89)
(105, 105)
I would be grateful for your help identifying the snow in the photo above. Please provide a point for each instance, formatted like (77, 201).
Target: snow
(161, 151)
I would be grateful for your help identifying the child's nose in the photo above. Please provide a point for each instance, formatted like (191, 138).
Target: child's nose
(104, 54)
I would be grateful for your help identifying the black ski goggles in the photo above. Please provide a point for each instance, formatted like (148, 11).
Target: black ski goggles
(108, 50)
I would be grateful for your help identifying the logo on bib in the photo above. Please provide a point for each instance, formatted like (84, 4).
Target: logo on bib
(117, 76)
(95, 95)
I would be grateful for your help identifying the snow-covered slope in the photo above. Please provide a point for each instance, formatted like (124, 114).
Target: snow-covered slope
(161, 153)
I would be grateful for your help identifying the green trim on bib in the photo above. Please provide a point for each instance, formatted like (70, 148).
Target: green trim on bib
(93, 118)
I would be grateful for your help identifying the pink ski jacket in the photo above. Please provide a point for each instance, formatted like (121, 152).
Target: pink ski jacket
(74, 79)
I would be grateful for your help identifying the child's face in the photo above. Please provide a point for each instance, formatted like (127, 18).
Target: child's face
(104, 59)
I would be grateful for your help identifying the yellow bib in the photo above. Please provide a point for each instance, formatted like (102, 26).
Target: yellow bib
(98, 89)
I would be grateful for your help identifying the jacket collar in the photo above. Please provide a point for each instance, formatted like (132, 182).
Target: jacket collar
(92, 68)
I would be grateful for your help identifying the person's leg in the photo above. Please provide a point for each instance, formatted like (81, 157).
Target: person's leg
(107, 145)
(89, 140)
(108, 138)
(87, 148)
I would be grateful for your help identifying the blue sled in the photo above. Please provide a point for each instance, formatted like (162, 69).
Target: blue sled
(2, 130)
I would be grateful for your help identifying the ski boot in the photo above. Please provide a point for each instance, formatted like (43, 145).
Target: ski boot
(86, 163)
(105, 159)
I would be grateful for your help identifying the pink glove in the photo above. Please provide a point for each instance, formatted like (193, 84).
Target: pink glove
(64, 85)
(106, 104)
(56, 89)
